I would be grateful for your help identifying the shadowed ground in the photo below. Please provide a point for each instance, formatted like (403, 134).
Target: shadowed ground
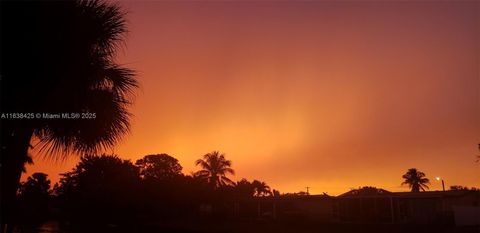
(199, 226)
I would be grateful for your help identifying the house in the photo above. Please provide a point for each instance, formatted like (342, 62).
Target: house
(409, 207)
(459, 207)
(311, 207)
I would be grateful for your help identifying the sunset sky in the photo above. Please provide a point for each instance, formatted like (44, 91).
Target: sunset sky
(331, 95)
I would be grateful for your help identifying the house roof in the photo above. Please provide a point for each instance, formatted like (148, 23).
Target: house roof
(427, 194)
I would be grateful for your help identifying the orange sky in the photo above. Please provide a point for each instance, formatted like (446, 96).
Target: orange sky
(322, 94)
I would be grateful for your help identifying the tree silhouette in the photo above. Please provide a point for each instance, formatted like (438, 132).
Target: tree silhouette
(366, 190)
(34, 197)
(415, 180)
(244, 188)
(458, 187)
(276, 193)
(58, 57)
(36, 184)
(99, 172)
(301, 193)
(215, 169)
(103, 186)
(261, 188)
(465, 188)
(159, 166)
(28, 161)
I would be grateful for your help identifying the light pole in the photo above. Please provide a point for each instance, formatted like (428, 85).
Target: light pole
(443, 183)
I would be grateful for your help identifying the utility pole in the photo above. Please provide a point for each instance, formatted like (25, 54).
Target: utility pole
(443, 182)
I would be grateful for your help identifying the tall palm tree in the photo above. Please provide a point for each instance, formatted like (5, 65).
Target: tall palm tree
(58, 57)
(415, 180)
(215, 169)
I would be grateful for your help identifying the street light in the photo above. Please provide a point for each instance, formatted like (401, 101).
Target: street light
(443, 183)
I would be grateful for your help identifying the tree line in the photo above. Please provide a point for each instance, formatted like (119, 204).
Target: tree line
(108, 188)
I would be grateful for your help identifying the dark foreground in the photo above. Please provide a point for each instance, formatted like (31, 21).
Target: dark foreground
(197, 226)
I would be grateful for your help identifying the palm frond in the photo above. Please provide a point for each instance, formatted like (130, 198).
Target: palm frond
(89, 136)
(203, 164)
(123, 81)
(107, 24)
(226, 181)
(228, 170)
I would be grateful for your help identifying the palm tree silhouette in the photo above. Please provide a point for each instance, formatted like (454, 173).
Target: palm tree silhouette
(261, 188)
(60, 60)
(215, 169)
(415, 180)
